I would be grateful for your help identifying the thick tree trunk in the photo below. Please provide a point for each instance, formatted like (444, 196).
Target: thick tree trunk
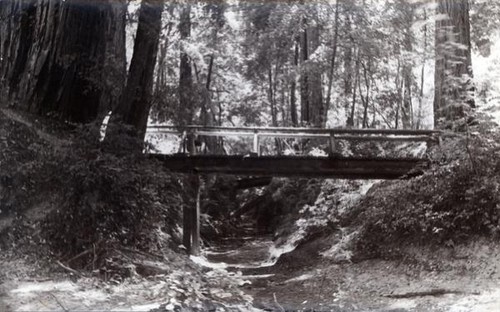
(135, 104)
(64, 57)
(453, 76)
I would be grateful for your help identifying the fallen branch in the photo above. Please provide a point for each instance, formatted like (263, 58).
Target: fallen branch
(432, 292)
(79, 255)
(68, 268)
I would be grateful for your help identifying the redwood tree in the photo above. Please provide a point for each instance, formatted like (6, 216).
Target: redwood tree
(66, 58)
(453, 76)
(135, 104)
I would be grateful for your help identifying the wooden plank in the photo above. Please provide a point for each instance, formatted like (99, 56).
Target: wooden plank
(253, 182)
(345, 168)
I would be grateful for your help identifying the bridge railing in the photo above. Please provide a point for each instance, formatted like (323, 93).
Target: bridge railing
(189, 133)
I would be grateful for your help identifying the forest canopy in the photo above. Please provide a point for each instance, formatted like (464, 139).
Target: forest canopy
(397, 64)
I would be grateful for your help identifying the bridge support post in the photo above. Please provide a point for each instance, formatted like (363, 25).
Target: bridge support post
(191, 218)
(195, 217)
(186, 226)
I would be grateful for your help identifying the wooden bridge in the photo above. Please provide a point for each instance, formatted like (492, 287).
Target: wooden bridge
(192, 157)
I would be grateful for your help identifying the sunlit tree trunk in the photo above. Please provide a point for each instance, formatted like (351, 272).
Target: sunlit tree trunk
(293, 88)
(332, 66)
(304, 76)
(453, 77)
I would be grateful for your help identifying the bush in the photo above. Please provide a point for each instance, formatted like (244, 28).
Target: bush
(110, 201)
(449, 203)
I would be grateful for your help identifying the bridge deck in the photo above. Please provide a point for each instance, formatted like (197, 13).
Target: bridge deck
(284, 166)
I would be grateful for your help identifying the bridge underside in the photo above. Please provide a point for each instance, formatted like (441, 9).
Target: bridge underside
(290, 166)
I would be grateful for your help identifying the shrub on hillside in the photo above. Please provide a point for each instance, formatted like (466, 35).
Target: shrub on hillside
(111, 201)
(449, 203)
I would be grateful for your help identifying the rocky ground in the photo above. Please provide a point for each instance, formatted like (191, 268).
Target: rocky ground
(463, 279)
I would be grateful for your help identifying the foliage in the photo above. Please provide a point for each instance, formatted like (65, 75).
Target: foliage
(110, 200)
(450, 203)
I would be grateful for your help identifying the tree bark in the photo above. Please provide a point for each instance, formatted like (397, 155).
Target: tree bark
(304, 77)
(316, 102)
(407, 108)
(186, 100)
(137, 96)
(350, 119)
(65, 58)
(332, 66)
(453, 76)
(422, 78)
(293, 88)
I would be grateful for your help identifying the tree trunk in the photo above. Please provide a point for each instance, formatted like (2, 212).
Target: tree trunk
(304, 76)
(407, 108)
(316, 102)
(366, 99)
(422, 77)
(350, 119)
(348, 70)
(271, 97)
(63, 57)
(332, 66)
(135, 104)
(293, 88)
(453, 76)
(186, 100)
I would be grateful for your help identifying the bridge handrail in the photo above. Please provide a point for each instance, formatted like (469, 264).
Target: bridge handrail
(271, 131)
(331, 135)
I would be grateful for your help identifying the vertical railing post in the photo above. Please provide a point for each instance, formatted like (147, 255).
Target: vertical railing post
(191, 138)
(182, 148)
(331, 144)
(256, 143)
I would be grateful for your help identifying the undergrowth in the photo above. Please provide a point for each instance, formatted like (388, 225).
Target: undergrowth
(83, 201)
(455, 200)
(111, 201)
